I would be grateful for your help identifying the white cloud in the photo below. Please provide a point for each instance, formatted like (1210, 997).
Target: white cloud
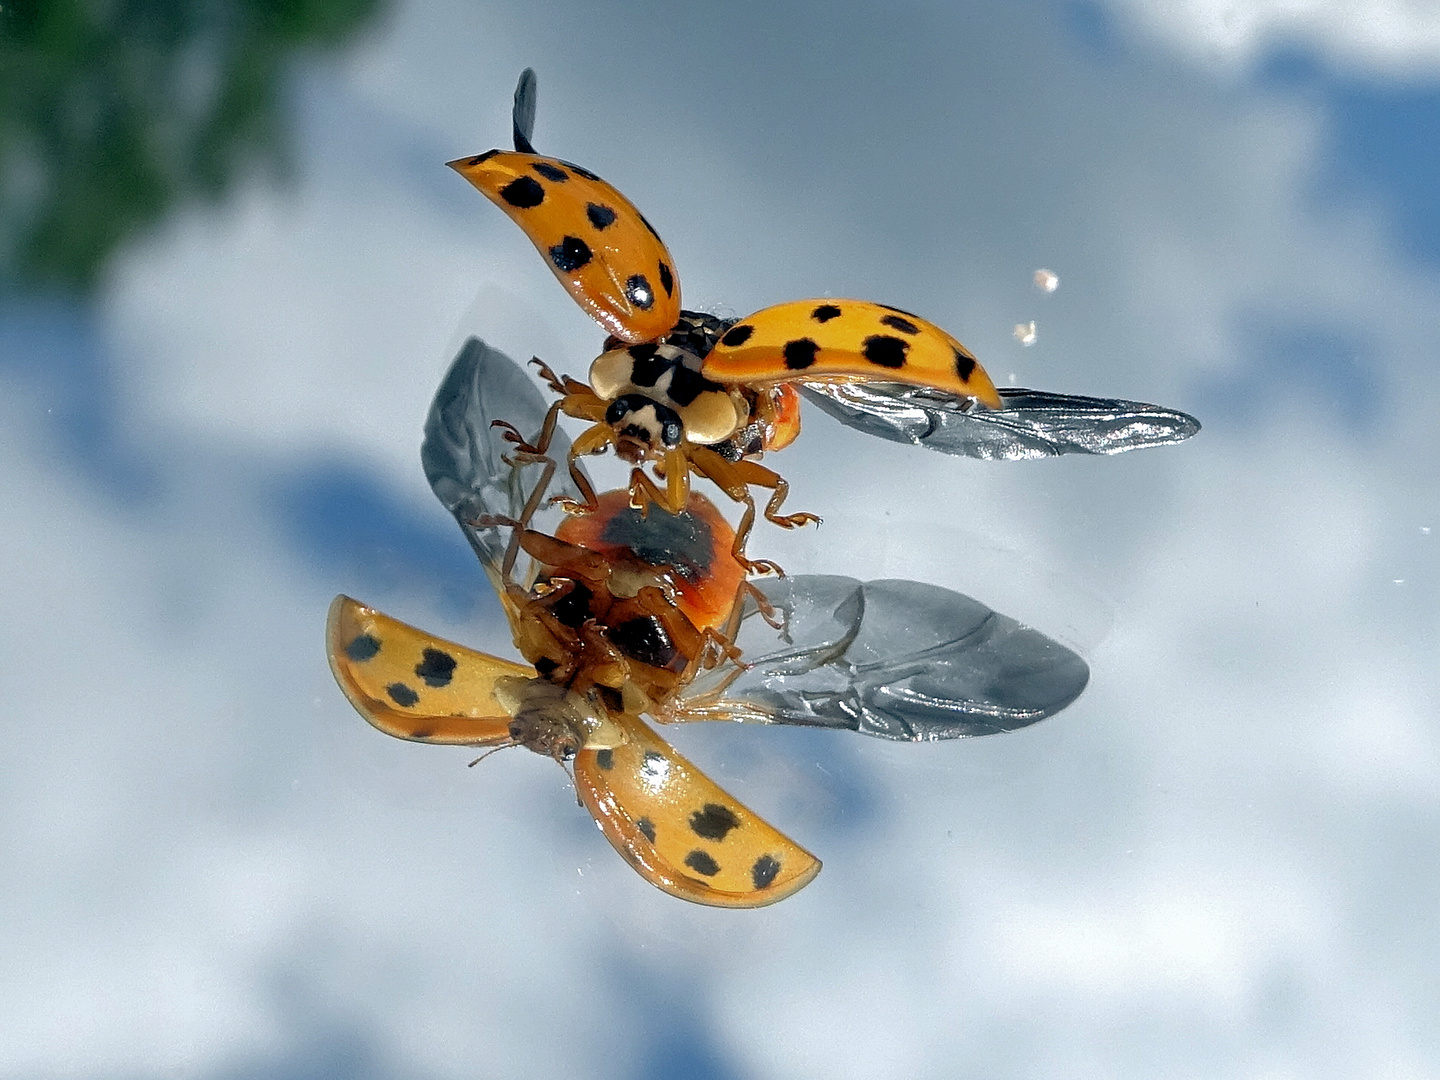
(196, 818)
(1398, 38)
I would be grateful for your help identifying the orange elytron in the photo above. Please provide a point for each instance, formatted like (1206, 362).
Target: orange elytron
(683, 391)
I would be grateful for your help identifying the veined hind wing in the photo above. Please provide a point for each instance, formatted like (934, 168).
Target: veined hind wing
(1030, 423)
(464, 456)
(895, 659)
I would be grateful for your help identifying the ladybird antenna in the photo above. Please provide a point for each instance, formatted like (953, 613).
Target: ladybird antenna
(492, 750)
(523, 115)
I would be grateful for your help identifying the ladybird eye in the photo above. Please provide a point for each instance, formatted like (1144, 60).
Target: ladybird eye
(618, 410)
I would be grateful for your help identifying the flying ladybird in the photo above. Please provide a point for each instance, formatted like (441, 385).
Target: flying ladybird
(608, 635)
(685, 391)
(615, 615)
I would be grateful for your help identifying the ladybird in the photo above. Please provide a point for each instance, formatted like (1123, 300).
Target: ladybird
(686, 392)
(621, 614)
(670, 821)
(619, 618)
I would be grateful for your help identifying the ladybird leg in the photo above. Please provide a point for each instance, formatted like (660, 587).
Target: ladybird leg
(644, 491)
(752, 473)
(584, 404)
(721, 640)
(603, 664)
(688, 639)
(539, 634)
(566, 560)
(560, 385)
(576, 397)
(592, 441)
(512, 550)
(541, 446)
(749, 590)
(735, 478)
(677, 480)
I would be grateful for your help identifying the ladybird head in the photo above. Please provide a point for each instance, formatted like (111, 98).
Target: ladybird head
(546, 735)
(646, 428)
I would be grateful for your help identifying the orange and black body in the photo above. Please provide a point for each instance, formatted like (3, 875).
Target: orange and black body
(632, 603)
(625, 611)
(681, 391)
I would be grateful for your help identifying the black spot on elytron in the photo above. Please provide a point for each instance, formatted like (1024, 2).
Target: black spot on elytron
(470, 163)
(524, 192)
(713, 821)
(578, 171)
(702, 863)
(646, 826)
(644, 221)
(825, 312)
(800, 353)
(737, 335)
(402, 695)
(964, 366)
(646, 352)
(884, 350)
(422, 733)
(545, 666)
(435, 668)
(602, 217)
(550, 172)
(363, 648)
(898, 311)
(606, 760)
(899, 322)
(667, 279)
(570, 254)
(764, 870)
(637, 288)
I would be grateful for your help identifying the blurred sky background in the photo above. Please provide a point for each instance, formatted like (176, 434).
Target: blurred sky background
(235, 269)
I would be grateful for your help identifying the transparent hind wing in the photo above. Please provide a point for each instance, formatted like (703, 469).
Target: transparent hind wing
(468, 461)
(522, 114)
(894, 659)
(1031, 423)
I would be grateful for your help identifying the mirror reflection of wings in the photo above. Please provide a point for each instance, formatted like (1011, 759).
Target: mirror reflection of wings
(894, 659)
(1032, 423)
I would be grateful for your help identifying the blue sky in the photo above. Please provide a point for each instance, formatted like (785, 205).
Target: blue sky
(1214, 863)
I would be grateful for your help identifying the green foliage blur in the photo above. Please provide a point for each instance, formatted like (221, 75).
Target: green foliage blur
(115, 112)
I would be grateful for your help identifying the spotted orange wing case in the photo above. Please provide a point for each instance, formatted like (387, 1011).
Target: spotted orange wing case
(680, 831)
(822, 340)
(669, 820)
